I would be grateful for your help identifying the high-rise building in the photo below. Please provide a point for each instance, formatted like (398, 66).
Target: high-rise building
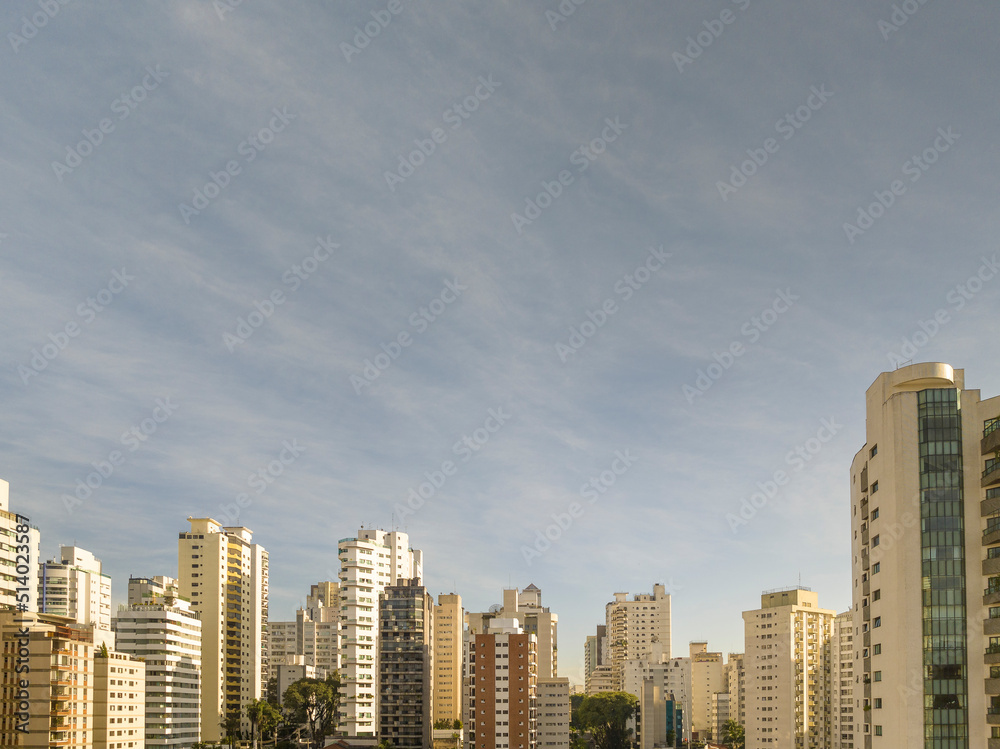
(593, 653)
(526, 607)
(18, 567)
(788, 664)
(925, 538)
(313, 639)
(634, 626)
(119, 701)
(369, 564)
(406, 667)
(74, 585)
(842, 680)
(735, 677)
(553, 713)
(449, 622)
(719, 714)
(706, 681)
(225, 576)
(672, 676)
(160, 627)
(601, 679)
(60, 683)
(501, 682)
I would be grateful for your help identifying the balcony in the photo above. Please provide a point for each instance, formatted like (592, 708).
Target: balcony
(866, 613)
(991, 534)
(991, 626)
(989, 506)
(991, 474)
(992, 686)
(991, 596)
(991, 566)
(992, 654)
(993, 744)
(991, 438)
(866, 587)
(993, 716)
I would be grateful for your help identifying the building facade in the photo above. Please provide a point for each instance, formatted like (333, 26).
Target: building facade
(553, 713)
(225, 576)
(526, 607)
(842, 680)
(706, 682)
(406, 665)
(162, 628)
(449, 625)
(788, 666)
(74, 585)
(18, 568)
(119, 701)
(736, 685)
(925, 535)
(369, 563)
(634, 626)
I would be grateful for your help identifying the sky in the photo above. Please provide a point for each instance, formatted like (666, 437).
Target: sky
(581, 294)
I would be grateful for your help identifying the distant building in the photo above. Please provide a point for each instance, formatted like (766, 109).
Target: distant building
(526, 607)
(74, 585)
(449, 622)
(735, 677)
(706, 681)
(16, 572)
(553, 713)
(842, 680)
(593, 652)
(314, 635)
(119, 701)
(634, 626)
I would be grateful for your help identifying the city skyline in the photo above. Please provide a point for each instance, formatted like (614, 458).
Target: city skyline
(580, 299)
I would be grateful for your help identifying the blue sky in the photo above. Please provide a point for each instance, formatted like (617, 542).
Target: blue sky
(532, 230)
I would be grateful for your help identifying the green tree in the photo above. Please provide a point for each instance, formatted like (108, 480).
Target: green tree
(230, 725)
(606, 716)
(671, 737)
(441, 723)
(457, 725)
(733, 735)
(264, 719)
(314, 703)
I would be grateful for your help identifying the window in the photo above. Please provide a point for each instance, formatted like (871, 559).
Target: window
(878, 703)
(878, 676)
(873, 452)
(877, 649)
(875, 541)
(993, 552)
(874, 486)
(877, 595)
(878, 730)
(875, 514)
(877, 622)
(876, 567)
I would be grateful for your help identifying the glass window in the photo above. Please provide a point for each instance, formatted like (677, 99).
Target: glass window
(877, 649)
(875, 514)
(878, 676)
(875, 541)
(876, 567)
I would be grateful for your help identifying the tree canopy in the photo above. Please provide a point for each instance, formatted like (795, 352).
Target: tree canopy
(314, 703)
(606, 716)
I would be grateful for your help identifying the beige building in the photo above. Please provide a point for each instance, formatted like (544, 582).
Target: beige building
(119, 701)
(788, 663)
(500, 693)
(734, 674)
(160, 627)
(842, 680)
(60, 682)
(553, 713)
(225, 576)
(925, 539)
(706, 682)
(633, 627)
(313, 639)
(18, 578)
(449, 623)
(672, 676)
(594, 649)
(719, 714)
(601, 679)
(75, 586)
(526, 607)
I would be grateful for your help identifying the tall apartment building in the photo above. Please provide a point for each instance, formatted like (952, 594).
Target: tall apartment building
(734, 674)
(449, 623)
(119, 701)
(74, 585)
(313, 639)
(601, 679)
(660, 722)
(369, 564)
(15, 571)
(706, 681)
(925, 538)
(406, 665)
(553, 713)
(633, 626)
(672, 676)
(788, 667)
(501, 682)
(225, 576)
(719, 714)
(526, 607)
(593, 653)
(842, 680)
(162, 628)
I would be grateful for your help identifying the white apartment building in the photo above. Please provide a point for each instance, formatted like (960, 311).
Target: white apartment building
(719, 714)
(369, 563)
(706, 682)
(225, 576)
(842, 680)
(449, 624)
(553, 713)
(925, 539)
(788, 663)
(634, 626)
(74, 585)
(672, 676)
(16, 571)
(162, 628)
(119, 701)
(735, 676)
